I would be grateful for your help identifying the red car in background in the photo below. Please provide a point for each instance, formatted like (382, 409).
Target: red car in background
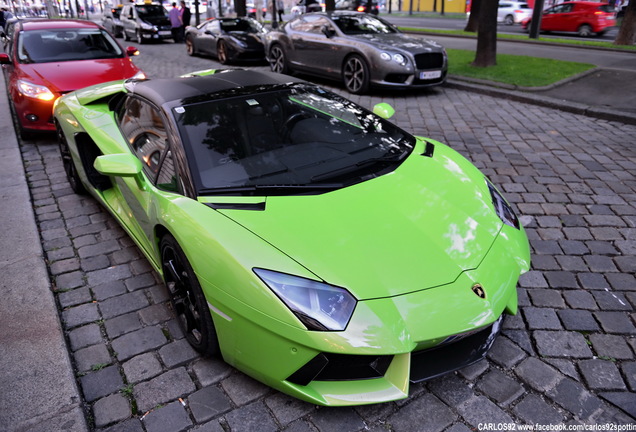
(48, 58)
(582, 17)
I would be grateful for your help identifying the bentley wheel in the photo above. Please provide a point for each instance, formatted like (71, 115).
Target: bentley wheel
(221, 52)
(355, 75)
(189, 46)
(187, 298)
(69, 166)
(278, 62)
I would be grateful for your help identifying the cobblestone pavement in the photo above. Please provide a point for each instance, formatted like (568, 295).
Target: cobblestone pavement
(566, 358)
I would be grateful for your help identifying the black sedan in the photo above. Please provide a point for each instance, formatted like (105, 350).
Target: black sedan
(360, 49)
(227, 39)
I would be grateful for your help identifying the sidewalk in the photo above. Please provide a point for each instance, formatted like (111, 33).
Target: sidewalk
(39, 391)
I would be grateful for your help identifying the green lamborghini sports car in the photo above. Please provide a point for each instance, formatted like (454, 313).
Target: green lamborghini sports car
(308, 241)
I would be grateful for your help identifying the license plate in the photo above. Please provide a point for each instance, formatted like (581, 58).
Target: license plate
(165, 33)
(430, 75)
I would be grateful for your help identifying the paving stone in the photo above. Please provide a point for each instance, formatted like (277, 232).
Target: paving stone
(458, 427)
(505, 353)
(94, 355)
(101, 383)
(101, 248)
(80, 315)
(108, 274)
(475, 370)
(141, 281)
(615, 322)
(480, 409)
(624, 400)
(451, 389)
(84, 336)
(69, 281)
(579, 320)
(534, 410)
(74, 297)
(566, 367)
(576, 399)
(608, 300)
(533, 279)
(622, 281)
(601, 375)
(98, 262)
(172, 417)
(210, 371)
(611, 346)
(137, 342)
(580, 300)
(64, 266)
(629, 372)
(212, 426)
(155, 314)
(538, 375)
(252, 417)
(425, 413)
(113, 408)
(122, 324)
(500, 387)
(123, 304)
(130, 425)
(541, 318)
(573, 247)
(546, 298)
(142, 367)
(207, 403)
(561, 344)
(164, 388)
(109, 289)
(376, 413)
(561, 280)
(243, 389)
(177, 353)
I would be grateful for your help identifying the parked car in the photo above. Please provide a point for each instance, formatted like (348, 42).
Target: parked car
(367, 6)
(582, 17)
(251, 10)
(310, 242)
(48, 58)
(111, 20)
(227, 39)
(145, 22)
(359, 49)
(511, 13)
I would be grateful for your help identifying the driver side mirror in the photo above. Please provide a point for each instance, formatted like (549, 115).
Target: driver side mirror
(132, 51)
(4, 59)
(120, 165)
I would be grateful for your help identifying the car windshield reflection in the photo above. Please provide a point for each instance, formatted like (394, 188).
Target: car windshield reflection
(291, 141)
(362, 24)
(58, 45)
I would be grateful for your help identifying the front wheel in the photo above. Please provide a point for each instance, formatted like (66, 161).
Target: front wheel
(69, 166)
(585, 31)
(509, 20)
(278, 62)
(355, 75)
(187, 298)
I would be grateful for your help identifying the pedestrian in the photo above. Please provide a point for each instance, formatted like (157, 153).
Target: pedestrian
(280, 8)
(186, 16)
(175, 22)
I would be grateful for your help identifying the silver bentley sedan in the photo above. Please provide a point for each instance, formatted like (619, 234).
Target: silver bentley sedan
(359, 49)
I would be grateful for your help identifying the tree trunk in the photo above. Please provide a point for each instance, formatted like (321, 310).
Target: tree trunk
(473, 19)
(627, 32)
(486, 54)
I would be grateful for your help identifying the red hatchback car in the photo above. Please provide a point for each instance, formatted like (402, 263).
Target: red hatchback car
(582, 17)
(48, 58)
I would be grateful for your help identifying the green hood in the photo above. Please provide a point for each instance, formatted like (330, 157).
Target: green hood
(415, 228)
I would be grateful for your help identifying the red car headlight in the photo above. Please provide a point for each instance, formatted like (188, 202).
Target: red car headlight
(35, 91)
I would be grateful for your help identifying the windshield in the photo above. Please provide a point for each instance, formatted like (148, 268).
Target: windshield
(293, 140)
(241, 25)
(362, 24)
(149, 11)
(57, 45)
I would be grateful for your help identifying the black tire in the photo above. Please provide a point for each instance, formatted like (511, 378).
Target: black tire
(189, 43)
(509, 20)
(355, 75)
(222, 53)
(187, 298)
(69, 165)
(585, 30)
(278, 59)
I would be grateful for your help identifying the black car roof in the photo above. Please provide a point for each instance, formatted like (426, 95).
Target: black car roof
(176, 89)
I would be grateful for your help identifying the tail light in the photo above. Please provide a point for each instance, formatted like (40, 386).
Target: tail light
(360, 9)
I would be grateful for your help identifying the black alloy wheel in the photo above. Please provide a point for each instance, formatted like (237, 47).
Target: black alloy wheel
(355, 75)
(67, 162)
(278, 62)
(187, 298)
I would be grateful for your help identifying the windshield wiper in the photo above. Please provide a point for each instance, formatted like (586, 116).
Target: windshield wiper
(275, 189)
(359, 165)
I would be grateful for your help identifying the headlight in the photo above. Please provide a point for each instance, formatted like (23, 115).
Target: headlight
(502, 208)
(139, 75)
(399, 59)
(35, 91)
(318, 305)
(146, 26)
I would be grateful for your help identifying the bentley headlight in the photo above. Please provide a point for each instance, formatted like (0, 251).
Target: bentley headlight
(35, 91)
(502, 208)
(399, 59)
(319, 306)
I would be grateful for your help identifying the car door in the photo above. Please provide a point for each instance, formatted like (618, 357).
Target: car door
(207, 38)
(314, 51)
(556, 18)
(144, 127)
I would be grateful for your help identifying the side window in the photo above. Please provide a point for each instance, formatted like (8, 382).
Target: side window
(143, 127)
